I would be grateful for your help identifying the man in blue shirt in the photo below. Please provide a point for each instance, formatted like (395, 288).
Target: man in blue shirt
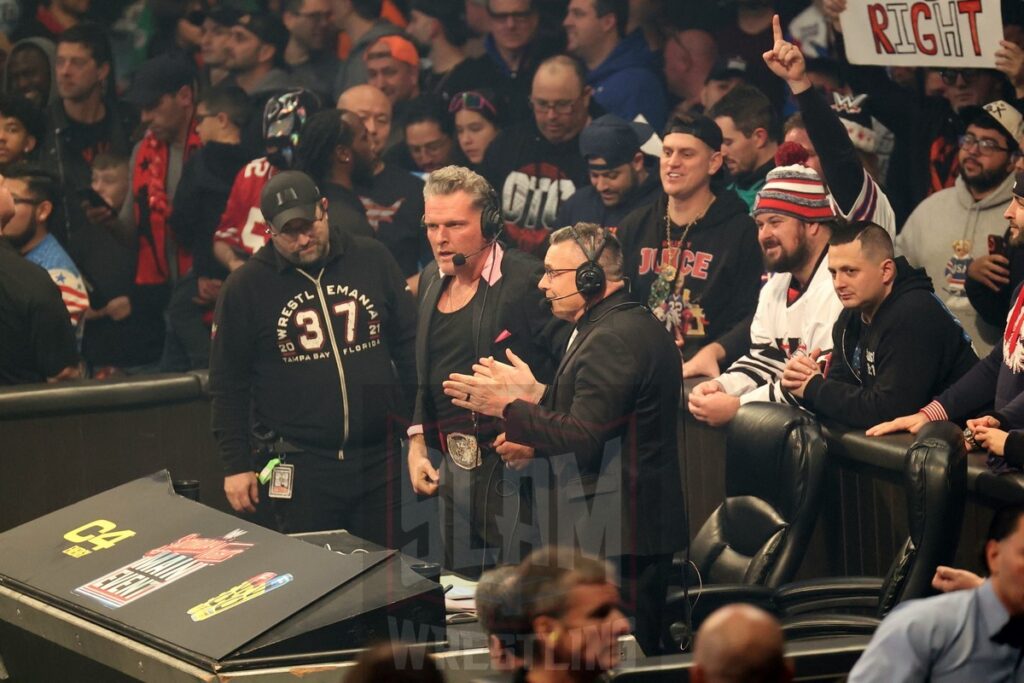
(968, 635)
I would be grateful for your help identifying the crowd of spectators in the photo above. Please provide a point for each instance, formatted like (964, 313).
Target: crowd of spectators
(144, 132)
(136, 139)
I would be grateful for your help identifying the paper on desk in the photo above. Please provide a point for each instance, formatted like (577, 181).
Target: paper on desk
(462, 596)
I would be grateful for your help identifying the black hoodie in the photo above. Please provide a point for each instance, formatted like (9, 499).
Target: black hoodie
(721, 265)
(913, 349)
(324, 388)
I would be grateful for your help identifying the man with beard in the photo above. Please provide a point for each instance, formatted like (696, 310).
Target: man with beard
(620, 180)
(335, 152)
(796, 308)
(996, 381)
(950, 229)
(309, 335)
(393, 198)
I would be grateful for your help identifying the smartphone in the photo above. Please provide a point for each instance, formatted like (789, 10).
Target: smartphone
(93, 198)
(997, 245)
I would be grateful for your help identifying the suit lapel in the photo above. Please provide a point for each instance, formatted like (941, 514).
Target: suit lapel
(428, 304)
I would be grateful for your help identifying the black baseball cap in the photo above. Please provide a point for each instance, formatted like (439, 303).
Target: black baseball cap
(1018, 184)
(725, 69)
(267, 27)
(287, 196)
(697, 125)
(157, 77)
(225, 16)
(613, 140)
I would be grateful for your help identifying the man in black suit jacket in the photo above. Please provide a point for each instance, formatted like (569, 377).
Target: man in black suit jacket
(606, 426)
(476, 299)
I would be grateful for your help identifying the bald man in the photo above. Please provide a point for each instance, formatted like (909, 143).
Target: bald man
(536, 165)
(394, 198)
(740, 644)
(375, 110)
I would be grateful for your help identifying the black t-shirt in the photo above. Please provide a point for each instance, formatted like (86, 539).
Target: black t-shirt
(394, 209)
(469, 74)
(36, 339)
(89, 139)
(450, 349)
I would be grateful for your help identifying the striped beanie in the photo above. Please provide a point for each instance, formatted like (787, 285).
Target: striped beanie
(795, 191)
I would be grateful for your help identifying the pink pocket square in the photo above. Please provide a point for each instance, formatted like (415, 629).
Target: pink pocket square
(505, 334)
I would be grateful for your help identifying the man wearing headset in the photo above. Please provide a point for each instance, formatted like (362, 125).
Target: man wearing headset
(475, 300)
(606, 425)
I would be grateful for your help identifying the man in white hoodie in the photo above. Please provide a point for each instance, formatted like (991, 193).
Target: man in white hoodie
(951, 228)
(797, 307)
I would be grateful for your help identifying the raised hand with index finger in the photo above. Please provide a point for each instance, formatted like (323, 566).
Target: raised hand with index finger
(786, 60)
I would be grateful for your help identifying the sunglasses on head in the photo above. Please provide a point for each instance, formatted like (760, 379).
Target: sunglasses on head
(471, 100)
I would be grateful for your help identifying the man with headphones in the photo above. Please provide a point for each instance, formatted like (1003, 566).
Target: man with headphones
(605, 427)
(476, 300)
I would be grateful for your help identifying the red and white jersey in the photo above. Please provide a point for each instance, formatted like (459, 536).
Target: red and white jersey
(241, 225)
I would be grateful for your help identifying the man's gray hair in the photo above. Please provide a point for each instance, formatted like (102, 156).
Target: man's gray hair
(590, 237)
(451, 179)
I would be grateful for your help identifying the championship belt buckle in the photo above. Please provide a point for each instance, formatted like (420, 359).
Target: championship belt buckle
(464, 450)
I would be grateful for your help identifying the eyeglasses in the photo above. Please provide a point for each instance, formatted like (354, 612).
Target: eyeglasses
(30, 202)
(559, 107)
(949, 76)
(551, 273)
(472, 101)
(985, 145)
(517, 17)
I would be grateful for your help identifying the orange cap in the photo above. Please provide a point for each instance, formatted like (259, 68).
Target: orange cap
(397, 47)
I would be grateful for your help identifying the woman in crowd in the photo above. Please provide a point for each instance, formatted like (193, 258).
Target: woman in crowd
(478, 118)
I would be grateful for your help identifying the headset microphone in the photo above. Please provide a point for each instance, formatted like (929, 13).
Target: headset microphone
(460, 259)
(546, 301)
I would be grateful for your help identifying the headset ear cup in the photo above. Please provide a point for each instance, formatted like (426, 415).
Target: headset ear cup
(590, 279)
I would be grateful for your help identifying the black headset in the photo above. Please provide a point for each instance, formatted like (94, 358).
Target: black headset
(590, 277)
(491, 221)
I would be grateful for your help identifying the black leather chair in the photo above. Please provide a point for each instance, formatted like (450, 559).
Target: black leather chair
(775, 464)
(935, 483)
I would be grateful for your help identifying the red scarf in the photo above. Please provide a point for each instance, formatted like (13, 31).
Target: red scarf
(152, 209)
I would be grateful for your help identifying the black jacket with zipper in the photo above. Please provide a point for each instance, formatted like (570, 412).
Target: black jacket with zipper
(911, 351)
(325, 388)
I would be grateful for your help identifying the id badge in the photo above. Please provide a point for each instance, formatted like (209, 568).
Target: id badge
(282, 482)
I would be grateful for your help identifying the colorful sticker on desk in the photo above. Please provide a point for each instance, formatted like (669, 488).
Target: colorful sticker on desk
(101, 534)
(162, 566)
(261, 584)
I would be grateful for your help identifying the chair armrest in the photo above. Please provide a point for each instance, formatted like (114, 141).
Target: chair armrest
(827, 595)
(827, 626)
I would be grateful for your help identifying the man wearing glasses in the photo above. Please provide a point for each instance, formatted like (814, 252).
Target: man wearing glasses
(307, 55)
(537, 165)
(516, 44)
(956, 233)
(308, 337)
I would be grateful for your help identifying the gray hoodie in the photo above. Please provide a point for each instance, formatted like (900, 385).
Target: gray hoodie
(943, 235)
(50, 50)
